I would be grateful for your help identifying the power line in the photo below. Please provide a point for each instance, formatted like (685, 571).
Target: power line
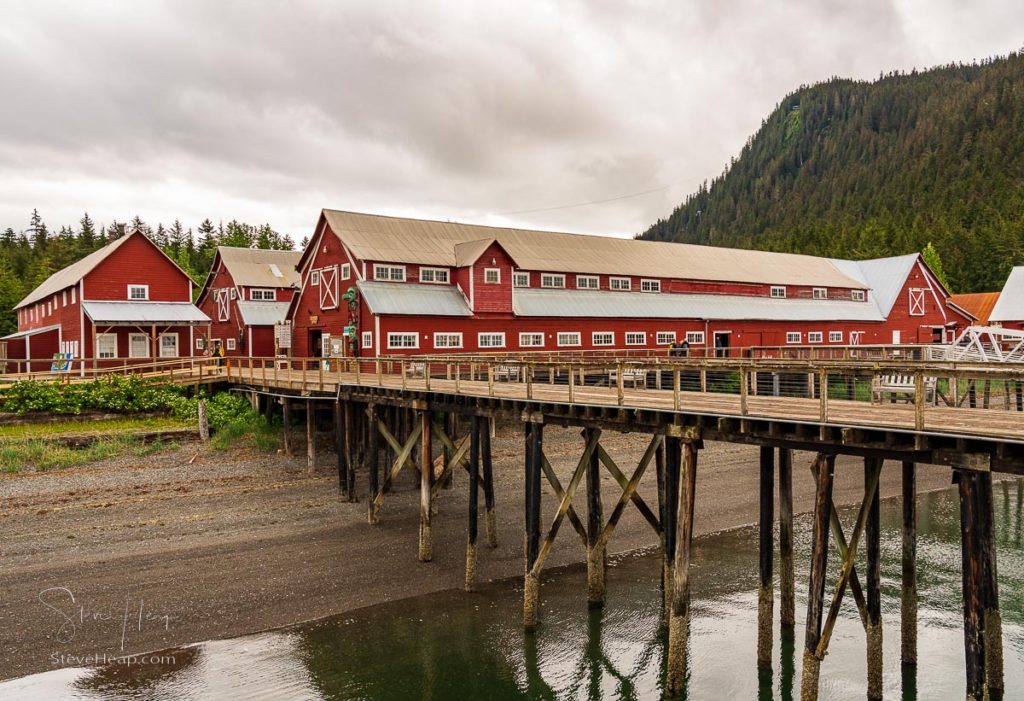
(581, 204)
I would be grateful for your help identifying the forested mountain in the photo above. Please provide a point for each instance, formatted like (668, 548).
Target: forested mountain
(865, 169)
(30, 256)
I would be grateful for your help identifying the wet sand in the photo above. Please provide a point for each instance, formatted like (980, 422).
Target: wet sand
(135, 555)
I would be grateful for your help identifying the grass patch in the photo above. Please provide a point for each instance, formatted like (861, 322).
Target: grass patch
(248, 431)
(74, 427)
(42, 455)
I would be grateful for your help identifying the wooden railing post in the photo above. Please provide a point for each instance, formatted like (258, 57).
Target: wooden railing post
(528, 370)
(823, 395)
(572, 384)
(675, 388)
(490, 380)
(919, 400)
(619, 394)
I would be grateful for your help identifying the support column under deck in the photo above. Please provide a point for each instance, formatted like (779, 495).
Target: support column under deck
(908, 594)
(971, 577)
(872, 546)
(426, 485)
(787, 597)
(766, 589)
(474, 487)
(595, 521)
(816, 585)
(373, 464)
(531, 581)
(490, 524)
(679, 623)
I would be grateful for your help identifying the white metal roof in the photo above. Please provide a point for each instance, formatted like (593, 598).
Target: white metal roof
(180, 313)
(398, 240)
(584, 303)
(263, 313)
(414, 299)
(29, 332)
(1010, 306)
(261, 267)
(884, 276)
(66, 277)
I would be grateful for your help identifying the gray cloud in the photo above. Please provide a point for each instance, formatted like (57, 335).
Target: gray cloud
(268, 111)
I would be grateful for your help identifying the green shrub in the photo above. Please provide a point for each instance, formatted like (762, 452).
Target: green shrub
(113, 393)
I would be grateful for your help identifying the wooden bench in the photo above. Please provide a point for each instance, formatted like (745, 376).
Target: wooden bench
(893, 385)
(634, 376)
(506, 373)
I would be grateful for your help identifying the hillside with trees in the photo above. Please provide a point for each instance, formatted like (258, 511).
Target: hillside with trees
(29, 256)
(858, 169)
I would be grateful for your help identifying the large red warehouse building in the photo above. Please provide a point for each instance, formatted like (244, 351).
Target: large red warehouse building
(399, 285)
(125, 301)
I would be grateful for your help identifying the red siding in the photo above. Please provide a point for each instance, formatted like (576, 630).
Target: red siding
(492, 298)
(307, 315)
(138, 261)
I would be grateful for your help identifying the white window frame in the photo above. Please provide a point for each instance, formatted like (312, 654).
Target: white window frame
(835, 336)
(64, 294)
(819, 292)
(664, 338)
(695, 338)
(161, 348)
(386, 272)
(102, 338)
(588, 282)
(564, 339)
(552, 280)
(487, 334)
(518, 277)
(145, 292)
(650, 285)
(314, 278)
(489, 272)
(231, 343)
(790, 337)
(526, 337)
(394, 336)
(220, 298)
(49, 308)
(329, 289)
(610, 338)
(259, 294)
(778, 291)
(131, 345)
(438, 335)
(200, 343)
(858, 295)
(631, 338)
(346, 271)
(620, 284)
(73, 295)
(915, 301)
(815, 337)
(438, 276)
(234, 293)
(367, 339)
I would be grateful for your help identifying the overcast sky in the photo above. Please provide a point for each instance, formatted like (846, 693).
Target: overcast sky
(474, 111)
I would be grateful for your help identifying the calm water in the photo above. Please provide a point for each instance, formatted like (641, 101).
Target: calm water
(470, 646)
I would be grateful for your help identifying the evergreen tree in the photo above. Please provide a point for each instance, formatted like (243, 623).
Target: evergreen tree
(10, 294)
(932, 259)
(86, 234)
(40, 234)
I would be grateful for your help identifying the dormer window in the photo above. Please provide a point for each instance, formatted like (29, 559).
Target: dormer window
(650, 285)
(492, 276)
(587, 282)
(262, 295)
(138, 292)
(857, 295)
(392, 273)
(778, 292)
(434, 275)
(521, 279)
(552, 280)
(819, 293)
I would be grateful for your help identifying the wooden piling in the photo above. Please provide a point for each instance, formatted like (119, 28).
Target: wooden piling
(373, 464)
(908, 597)
(766, 590)
(339, 443)
(673, 460)
(787, 606)
(474, 472)
(595, 523)
(992, 622)
(426, 483)
(286, 411)
(659, 471)
(350, 451)
(490, 523)
(204, 423)
(816, 583)
(872, 546)
(310, 437)
(971, 578)
(531, 581)
(679, 624)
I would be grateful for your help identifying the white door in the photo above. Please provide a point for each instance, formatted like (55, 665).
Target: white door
(169, 345)
(329, 288)
(896, 337)
(223, 305)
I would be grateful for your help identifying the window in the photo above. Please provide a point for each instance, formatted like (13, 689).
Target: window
(434, 275)
(650, 285)
(857, 295)
(636, 338)
(403, 340)
(778, 292)
(819, 293)
(231, 344)
(602, 338)
(346, 271)
(234, 293)
(49, 308)
(531, 340)
(793, 337)
(106, 345)
(169, 345)
(916, 302)
(447, 340)
(588, 282)
(138, 291)
(552, 280)
(367, 339)
(64, 294)
(72, 295)
(569, 338)
(314, 278)
(490, 340)
(521, 279)
(665, 337)
(200, 343)
(620, 283)
(138, 345)
(835, 336)
(695, 338)
(393, 273)
(492, 276)
(814, 336)
(263, 295)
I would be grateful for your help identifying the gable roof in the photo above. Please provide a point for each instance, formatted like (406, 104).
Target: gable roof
(469, 252)
(885, 277)
(398, 240)
(413, 299)
(66, 277)
(1010, 306)
(978, 304)
(255, 267)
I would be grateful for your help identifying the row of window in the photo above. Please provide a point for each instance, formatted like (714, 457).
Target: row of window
(532, 339)
(138, 345)
(586, 282)
(817, 336)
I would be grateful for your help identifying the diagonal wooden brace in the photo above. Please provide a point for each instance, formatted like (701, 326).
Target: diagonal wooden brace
(458, 453)
(401, 461)
(629, 491)
(637, 500)
(571, 514)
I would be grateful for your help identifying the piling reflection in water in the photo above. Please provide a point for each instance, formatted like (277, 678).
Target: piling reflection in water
(456, 645)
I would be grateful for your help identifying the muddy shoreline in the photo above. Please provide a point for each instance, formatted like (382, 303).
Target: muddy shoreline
(134, 555)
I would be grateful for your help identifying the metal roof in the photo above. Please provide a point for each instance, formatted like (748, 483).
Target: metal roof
(255, 267)
(1010, 306)
(979, 304)
(885, 277)
(467, 253)
(263, 313)
(414, 299)
(66, 277)
(29, 332)
(398, 240)
(180, 313)
(594, 304)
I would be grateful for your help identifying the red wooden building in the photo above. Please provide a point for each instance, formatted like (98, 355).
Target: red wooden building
(247, 291)
(1009, 308)
(124, 302)
(412, 286)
